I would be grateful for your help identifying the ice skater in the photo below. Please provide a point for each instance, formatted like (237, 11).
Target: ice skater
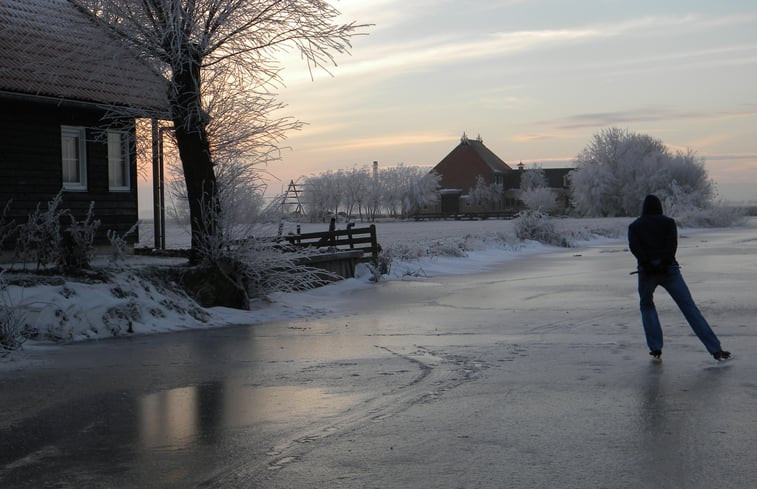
(653, 239)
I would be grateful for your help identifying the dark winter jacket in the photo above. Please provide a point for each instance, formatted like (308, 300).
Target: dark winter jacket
(653, 238)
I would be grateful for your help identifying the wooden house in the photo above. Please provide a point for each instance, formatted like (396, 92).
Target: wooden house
(61, 76)
(470, 161)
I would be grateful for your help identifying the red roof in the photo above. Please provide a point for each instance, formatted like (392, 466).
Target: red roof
(50, 48)
(461, 167)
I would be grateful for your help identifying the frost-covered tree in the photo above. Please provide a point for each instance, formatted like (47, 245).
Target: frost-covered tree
(533, 178)
(487, 195)
(219, 59)
(421, 190)
(322, 194)
(398, 191)
(535, 192)
(539, 199)
(356, 190)
(618, 168)
(405, 188)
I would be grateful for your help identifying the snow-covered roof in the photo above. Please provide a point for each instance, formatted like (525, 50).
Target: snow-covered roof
(50, 48)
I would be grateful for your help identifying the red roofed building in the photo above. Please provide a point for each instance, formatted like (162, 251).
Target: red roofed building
(462, 166)
(470, 162)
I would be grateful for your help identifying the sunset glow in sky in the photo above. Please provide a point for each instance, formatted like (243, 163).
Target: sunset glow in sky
(535, 79)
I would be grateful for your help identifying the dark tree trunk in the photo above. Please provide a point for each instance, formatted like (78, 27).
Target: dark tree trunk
(190, 123)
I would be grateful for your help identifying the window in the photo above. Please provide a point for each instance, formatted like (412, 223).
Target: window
(118, 161)
(73, 157)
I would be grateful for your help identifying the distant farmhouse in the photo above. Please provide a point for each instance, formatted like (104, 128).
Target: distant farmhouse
(472, 162)
(60, 76)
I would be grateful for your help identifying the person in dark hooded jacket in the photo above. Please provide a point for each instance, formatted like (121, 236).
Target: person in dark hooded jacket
(653, 240)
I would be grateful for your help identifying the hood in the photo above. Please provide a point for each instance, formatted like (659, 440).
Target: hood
(652, 206)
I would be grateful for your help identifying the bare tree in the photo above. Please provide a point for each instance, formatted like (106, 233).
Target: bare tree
(218, 55)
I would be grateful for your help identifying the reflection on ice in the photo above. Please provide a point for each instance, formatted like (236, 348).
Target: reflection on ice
(180, 417)
(169, 418)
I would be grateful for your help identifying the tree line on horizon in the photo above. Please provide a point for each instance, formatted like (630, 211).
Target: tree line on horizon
(612, 175)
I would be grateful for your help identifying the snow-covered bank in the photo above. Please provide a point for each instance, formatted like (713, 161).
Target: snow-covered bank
(69, 310)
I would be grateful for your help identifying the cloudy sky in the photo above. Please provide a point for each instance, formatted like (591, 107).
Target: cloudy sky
(535, 79)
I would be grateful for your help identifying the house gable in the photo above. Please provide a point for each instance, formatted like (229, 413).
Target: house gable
(462, 166)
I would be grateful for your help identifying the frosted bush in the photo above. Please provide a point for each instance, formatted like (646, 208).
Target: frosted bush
(43, 241)
(39, 239)
(6, 226)
(533, 225)
(118, 243)
(715, 216)
(472, 242)
(447, 247)
(539, 199)
(587, 233)
(404, 251)
(11, 323)
(78, 241)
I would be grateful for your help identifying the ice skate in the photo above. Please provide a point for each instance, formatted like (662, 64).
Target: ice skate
(722, 356)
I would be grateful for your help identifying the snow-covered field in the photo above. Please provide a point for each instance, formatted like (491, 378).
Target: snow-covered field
(412, 232)
(69, 310)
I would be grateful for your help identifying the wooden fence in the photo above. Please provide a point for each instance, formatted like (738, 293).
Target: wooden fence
(350, 239)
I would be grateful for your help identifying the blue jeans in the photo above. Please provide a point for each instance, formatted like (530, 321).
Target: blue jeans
(672, 281)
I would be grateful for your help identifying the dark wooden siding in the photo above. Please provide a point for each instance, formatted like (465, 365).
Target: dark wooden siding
(30, 164)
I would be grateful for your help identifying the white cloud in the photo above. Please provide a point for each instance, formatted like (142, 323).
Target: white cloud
(414, 54)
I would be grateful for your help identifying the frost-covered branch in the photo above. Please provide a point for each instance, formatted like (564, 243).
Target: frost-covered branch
(219, 57)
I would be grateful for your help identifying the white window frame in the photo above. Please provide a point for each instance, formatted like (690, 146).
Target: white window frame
(80, 134)
(122, 160)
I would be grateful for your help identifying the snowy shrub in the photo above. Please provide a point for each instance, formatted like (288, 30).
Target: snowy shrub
(587, 233)
(486, 195)
(11, 323)
(122, 317)
(6, 226)
(39, 240)
(533, 225)
(539, 199)
(447, 247)
(404, 251)
(78, 240)
(535, 192)
(118, 243)
(42, 240)
(384, 265)
(714, 216)
(689, 211)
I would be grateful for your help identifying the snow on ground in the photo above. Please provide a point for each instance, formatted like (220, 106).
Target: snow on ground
(74, 310)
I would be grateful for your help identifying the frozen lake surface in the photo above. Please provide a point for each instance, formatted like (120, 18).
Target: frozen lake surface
(530, 374)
